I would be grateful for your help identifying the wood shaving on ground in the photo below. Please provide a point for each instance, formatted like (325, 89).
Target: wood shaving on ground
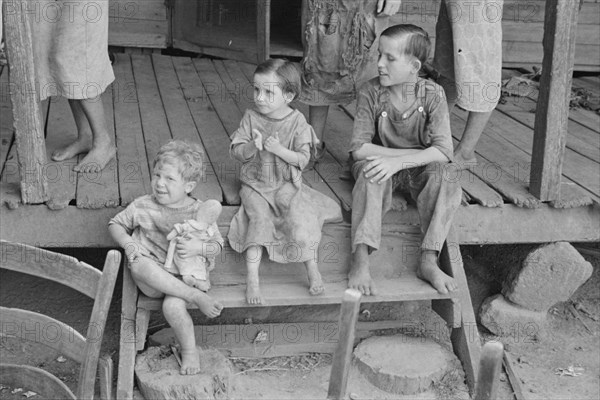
(305, 362)
(29, 394)
(569, 371)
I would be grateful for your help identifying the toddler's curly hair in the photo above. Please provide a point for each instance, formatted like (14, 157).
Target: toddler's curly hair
(189, 158)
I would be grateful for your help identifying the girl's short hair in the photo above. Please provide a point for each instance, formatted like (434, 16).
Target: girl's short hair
(417, 40)
(286, 71)
(189, 158)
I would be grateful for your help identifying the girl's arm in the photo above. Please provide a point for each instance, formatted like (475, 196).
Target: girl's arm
(295, 158)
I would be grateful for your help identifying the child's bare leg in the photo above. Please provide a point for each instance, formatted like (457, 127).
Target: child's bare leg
(315, 281)
(84, 141)
(178, 317)
(150, 275)
(359, 277)
(201, 284)
(430, 271)
(253, 258)
(103, 149)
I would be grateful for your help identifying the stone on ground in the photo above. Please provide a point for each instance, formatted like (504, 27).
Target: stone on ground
(549, 275)
(157, 373)
(506, 319)
(403, 364)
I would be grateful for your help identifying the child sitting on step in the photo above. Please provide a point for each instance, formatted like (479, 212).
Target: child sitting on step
(278, 212)
(401, 139)
(142, 228)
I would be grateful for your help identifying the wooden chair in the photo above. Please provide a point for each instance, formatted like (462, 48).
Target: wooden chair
(69, 271)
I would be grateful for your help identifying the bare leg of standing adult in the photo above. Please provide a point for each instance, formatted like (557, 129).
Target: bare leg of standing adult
(464, 153)
(317, 118)
(92, 137)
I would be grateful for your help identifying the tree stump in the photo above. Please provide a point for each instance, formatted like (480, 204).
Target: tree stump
(404, 365)
(157, 373)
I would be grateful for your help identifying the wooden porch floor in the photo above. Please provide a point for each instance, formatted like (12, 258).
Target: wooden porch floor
(156, 98)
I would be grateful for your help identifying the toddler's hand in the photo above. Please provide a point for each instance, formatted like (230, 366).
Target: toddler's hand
(272, 143)
(258, 139)
(132, 251)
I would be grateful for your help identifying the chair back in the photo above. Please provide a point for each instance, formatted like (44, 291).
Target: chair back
(95, 284)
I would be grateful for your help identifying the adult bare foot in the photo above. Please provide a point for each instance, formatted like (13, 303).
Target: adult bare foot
(97, 158)
(253, 294)
(190, 362)
(315, 281)
(431, 272)
(209, 306)
(82, 144)
(359, 277)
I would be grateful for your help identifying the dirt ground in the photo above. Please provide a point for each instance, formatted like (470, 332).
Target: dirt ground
(569, 344)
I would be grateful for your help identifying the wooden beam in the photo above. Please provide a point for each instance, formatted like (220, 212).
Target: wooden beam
(29, 133)
(263, 29)
(552, 114)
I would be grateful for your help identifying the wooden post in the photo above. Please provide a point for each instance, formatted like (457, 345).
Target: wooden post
(263, 29)
(29, 135)
(340, 367)
(489, 371)
(552, 114)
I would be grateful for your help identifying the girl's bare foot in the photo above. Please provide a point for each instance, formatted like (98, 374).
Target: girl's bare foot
(315, 281)
(359, 277)
(82, 144)
(209, 306)
(97, 158)
(253, 295)
(431, 272)
(190, 362)
(201, 284)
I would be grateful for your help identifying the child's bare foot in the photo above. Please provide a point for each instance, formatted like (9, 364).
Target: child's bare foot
(465, 160)
(82, 144)
(97, 158)
(359, 277)
(190, 362)
(253, 295)
(315, 281)
(431, 272)
(201, 284)
(209, 306)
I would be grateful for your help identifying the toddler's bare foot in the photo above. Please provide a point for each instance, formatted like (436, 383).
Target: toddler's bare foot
(431, 272)
(190, 362)
(97, 158)
(253, 295)
(82, 144)
(201, 284)
(359, 277)
(209, 306)
(315, 281)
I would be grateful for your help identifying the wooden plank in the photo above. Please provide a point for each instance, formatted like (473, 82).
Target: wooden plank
(489, 371)
(155, 10)
(513, 378)
(29, 134)
(263, 29)
(128, 337)
(182, 123)
(99, 190)
(549, 136)
(214, 136)
(134, 174)
(154, 120)
(138, 33)
(513, 155)
(220, 98)
(341, 363)
(61, 131)
(105, 375)
(6, 118)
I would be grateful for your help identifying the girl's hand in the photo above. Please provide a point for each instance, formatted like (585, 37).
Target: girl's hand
(272, 143)
(388, 7)
(258, 139)
(380, 169)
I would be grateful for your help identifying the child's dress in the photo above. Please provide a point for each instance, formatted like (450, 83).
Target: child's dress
(278, 211)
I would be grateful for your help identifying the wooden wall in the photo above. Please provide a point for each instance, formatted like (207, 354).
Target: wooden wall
(139, 23)
(145, 23)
